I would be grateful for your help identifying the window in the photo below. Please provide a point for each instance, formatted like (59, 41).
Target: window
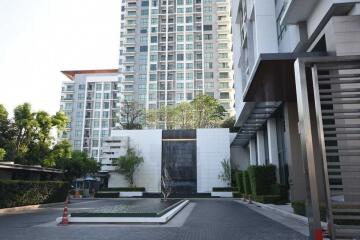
(208, 65)
(207, 36)
(180, 57)
(143, 48)
(224, 95)
(223, 74)
(180, 38)
(208, 55)
(223, 85)
(153, 39)
(208, 46)
(180, 85)
(180, 19)
(189, 19)
(207, 27)
(209, 75)
(107, 86)
(98, 87)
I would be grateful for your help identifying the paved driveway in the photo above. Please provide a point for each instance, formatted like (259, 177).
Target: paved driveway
(200, 220)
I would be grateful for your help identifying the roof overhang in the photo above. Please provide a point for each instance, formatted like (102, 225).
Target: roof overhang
(273, 78)
(71, 74)
(29, 168)
(254, 117)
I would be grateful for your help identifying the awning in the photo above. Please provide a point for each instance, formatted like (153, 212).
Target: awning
(272, 79)
(254, 121)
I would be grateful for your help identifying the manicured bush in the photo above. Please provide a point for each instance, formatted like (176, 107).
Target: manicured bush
(246, 183)
(282, 191)
(299, 208)
(15, 193)
(106, 194)
(268, 198)
(262, 178)
(124, 189)
(224, 189)
(239, 181)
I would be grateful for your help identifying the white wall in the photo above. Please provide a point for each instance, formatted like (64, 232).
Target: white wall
(213, 146)
(148, 143)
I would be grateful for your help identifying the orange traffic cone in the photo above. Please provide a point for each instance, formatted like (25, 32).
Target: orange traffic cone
(65, 219)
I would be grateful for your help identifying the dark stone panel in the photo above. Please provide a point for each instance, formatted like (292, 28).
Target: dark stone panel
(179, 134)
(180, 159)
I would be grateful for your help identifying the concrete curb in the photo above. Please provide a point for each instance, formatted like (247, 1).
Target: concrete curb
(29, 207)
(282, 212)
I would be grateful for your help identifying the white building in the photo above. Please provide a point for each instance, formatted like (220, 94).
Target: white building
(194, 157)
(91, 101)
(171, 51)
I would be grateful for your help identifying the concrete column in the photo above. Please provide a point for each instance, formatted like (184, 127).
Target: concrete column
(273, 146)
(260, 147)
(252, 152)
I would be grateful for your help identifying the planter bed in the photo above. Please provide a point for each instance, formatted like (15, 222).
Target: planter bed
(132, 211)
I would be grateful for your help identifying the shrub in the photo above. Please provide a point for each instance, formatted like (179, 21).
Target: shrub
(124, 189)
(239, 181)
(282, 191)
(299, 208)
(246, 183)
(262, 178)
(268, 198)
(15, 193)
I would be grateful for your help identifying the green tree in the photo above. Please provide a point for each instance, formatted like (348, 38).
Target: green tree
(2, 154)
(6, 134)
(184, 116)
(127, 164)
(61, 150)
(78, 165)
(207, 112)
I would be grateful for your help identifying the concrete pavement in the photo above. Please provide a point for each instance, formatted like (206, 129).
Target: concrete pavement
(200, 220)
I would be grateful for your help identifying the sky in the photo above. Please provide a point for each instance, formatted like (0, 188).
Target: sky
(39, 38)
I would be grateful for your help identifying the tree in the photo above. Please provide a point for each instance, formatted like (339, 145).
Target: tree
(2, 154)
(184, 115)
(27, 138)
(127, 164)
(78, 165)
(207, 112)
(131, 115)
(6, 135)
(61, 150)
(166, 182)
(225, 175)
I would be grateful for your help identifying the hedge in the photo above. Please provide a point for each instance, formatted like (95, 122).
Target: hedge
(268, 199)
(239, 181)
(246, 183)
(124, 189)
(224, 189)
(15, 193)
(262, 178)
(107, 194)
(299, 208)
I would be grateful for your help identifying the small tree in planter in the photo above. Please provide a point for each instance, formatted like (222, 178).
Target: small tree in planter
(127, 165)
(166, 182)
(225, 175)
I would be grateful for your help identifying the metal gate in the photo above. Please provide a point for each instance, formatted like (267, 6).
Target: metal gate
(335, 91)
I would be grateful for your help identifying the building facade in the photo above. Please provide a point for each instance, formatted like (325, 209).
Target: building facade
(91, 101)
(171, 51)
(278, 45)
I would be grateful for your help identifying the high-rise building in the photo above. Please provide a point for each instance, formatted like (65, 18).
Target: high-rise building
(91, 102)
(173, 50)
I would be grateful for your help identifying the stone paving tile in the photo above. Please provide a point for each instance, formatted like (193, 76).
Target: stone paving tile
(209, 220)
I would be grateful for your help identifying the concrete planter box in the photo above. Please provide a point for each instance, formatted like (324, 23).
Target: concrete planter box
(222, 194)
(130, 194)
